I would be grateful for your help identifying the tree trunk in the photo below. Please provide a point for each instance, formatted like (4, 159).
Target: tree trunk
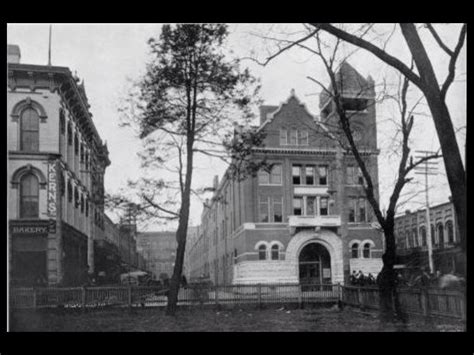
(444, 127)
(387, 278)
(181, 234)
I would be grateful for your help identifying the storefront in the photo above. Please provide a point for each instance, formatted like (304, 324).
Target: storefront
(29, 257)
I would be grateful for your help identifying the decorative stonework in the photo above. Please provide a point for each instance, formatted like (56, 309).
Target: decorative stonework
(28, 103)
(16, 177)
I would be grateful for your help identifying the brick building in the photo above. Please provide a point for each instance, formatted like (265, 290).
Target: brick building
(412, 249)
(307, 220)
(159, 252)
(56, 166)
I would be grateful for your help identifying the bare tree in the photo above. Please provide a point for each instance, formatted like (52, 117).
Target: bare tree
(387, 277)
(435, 94)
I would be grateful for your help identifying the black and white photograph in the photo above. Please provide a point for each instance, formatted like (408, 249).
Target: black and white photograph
(236, 177)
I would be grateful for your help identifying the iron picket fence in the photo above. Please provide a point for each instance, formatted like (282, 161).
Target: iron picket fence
(136, 296)
(430, 302)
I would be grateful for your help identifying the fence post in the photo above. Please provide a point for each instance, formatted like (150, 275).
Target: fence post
(216, 296)
(359, 297)
(83, 298)
(462, 305)
(129, 298)
(259, 292)
(423, 302)
(34, 298)
(300, 296)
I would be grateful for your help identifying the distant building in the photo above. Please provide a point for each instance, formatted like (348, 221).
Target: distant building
(412, 249)
(307, 220)
(159, 252)
(56, 167)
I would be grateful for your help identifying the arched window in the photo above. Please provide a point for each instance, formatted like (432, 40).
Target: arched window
(366, 251)
(69, 133)
(62, 121)
(76, 197)
(29, 130)
(415, 237)
(82, 153)
(82, 203)
(76, 144)
(423, 236)
(87, 207)
(29, 195)
(262, 252)
(355, 250)
(450, 231)
(440, 234)
(275, 252)
(69, 191)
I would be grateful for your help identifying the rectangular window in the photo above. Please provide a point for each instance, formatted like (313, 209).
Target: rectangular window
(310, 205)
(296, 172)
(303, 138)
(323, 175)
(263, 177)
(283, 137)
(362, 210)
(297, 206)
(263, 210)
(309, 175)
(275, 177)
(323, 206)
(360, 177)
(293, 137)
(349, 175)
(352, 210)
(277, 209)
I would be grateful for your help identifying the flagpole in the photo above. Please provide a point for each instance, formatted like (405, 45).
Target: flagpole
(49, 46)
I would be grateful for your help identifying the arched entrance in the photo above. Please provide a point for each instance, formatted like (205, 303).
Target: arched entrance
(314, 264)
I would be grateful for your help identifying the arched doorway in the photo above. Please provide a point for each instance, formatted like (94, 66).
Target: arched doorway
(314, 265)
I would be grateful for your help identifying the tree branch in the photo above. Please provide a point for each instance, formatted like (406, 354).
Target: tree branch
(438, 40)
(384, 56)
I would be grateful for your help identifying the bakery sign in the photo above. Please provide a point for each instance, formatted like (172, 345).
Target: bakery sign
(52, 189)
(30, 227)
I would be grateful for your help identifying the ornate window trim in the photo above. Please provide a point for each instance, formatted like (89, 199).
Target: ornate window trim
(17, 175)
(28, 103)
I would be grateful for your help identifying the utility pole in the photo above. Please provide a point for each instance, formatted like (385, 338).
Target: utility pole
(427, 168)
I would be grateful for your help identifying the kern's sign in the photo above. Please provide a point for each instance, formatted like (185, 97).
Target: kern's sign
(52, 189)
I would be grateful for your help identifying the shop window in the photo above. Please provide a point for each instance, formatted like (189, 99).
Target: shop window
(29, 196)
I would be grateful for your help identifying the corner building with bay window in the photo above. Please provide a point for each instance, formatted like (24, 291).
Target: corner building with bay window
(56, 165)
(307, 220)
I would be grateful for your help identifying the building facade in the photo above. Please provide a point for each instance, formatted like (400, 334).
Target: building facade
(411, 236)
(307, 220)
(159, 252)
(56, 166)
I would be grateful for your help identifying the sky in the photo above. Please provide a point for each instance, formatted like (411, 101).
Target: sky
(108, 56)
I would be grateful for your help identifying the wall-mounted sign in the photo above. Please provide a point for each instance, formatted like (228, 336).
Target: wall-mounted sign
(52, 187)
(29, 227)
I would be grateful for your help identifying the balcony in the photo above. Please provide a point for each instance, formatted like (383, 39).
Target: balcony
(315, 221)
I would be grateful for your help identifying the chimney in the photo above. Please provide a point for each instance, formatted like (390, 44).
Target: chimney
(13, 54)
